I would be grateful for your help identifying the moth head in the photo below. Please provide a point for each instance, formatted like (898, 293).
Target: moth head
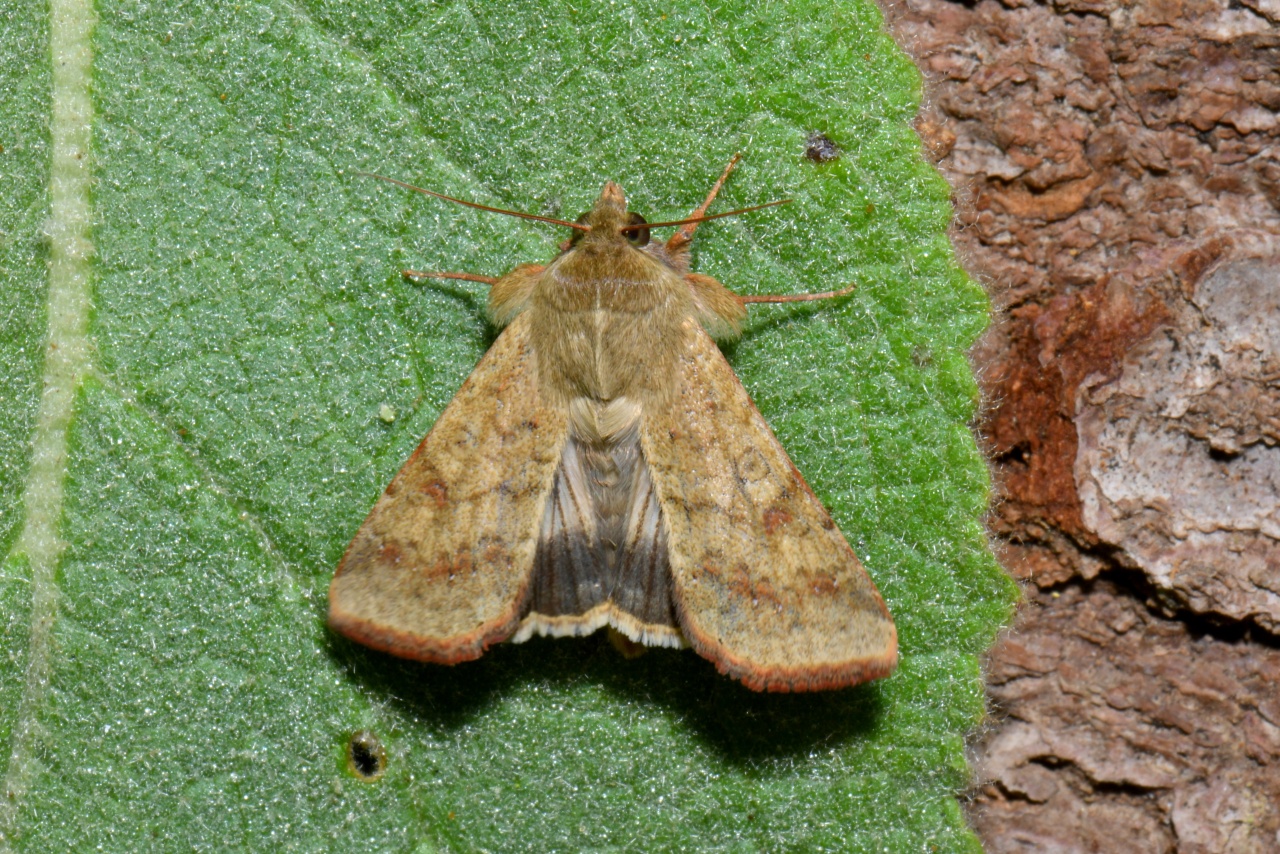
(610, 221)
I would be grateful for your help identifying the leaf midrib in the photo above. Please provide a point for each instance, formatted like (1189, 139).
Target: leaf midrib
(67, 359)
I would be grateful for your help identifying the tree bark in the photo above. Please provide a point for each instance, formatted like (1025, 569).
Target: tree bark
(1117, 175)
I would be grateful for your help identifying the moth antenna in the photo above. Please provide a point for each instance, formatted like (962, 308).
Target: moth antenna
(798, 297)
(575, 225)
(466, 277)
(705, 218)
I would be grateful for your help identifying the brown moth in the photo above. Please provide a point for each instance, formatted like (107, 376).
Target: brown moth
(603, 467)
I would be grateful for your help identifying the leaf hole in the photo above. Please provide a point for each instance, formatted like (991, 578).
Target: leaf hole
(366, 757)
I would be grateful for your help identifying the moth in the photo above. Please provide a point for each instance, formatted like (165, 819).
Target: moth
(602, 466)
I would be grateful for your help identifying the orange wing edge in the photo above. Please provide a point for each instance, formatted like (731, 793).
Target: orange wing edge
(794, 680)
(451, 650)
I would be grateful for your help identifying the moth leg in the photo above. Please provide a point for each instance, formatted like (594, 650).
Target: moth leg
(466, 277)
(722, 311)
(508, 295)
(798, 297)
(684, 236)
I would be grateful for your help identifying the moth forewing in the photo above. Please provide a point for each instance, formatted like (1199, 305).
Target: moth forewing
(766, 585)
(441, 567)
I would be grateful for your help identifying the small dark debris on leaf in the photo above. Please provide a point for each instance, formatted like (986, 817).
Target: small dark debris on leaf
(820, 148)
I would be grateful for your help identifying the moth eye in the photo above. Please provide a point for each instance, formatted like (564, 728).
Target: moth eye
(639, 236)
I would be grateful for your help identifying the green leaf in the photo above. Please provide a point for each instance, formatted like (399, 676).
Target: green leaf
(166, 677)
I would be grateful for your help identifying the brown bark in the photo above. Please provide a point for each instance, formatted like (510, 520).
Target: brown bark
(1117, 170)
